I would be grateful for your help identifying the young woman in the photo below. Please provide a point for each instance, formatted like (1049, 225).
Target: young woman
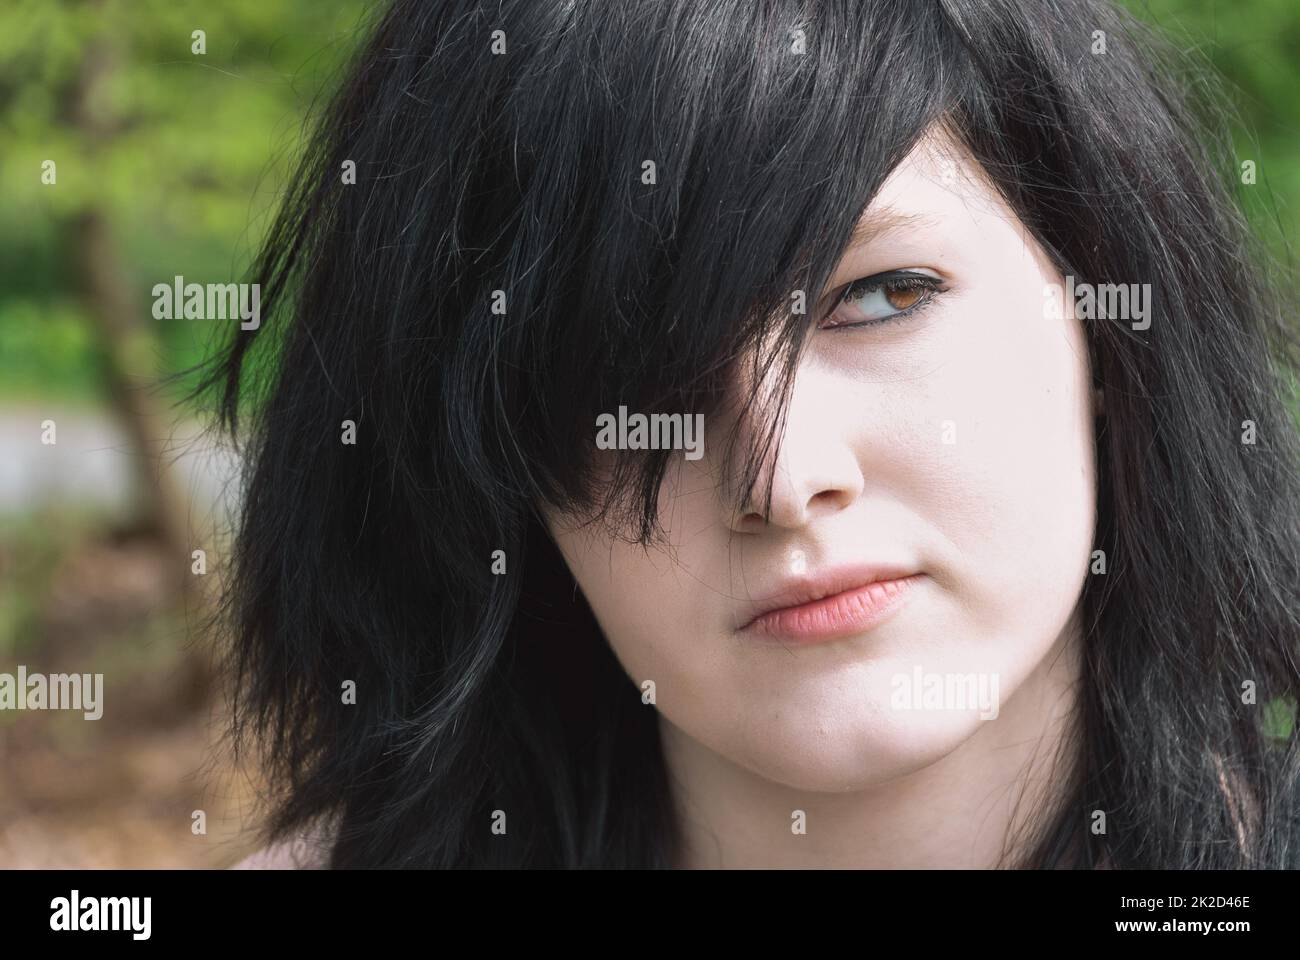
(986, 550)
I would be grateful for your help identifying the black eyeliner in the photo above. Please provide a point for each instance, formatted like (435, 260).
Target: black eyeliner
(933, 285)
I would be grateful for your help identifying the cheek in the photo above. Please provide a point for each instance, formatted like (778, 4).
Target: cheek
(649, 603)
(1013, 489)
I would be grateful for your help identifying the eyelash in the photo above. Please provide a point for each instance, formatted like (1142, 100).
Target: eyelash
(893, 280)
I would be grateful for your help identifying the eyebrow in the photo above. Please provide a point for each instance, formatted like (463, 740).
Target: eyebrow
(887, 220)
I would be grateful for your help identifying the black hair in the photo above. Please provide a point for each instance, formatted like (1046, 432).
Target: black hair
(515, 162)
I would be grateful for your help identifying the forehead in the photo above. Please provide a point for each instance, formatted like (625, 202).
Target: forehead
(937, 208)
(937, 180)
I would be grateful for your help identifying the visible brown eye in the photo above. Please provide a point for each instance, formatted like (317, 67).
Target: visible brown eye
(900, 298)
(883, 297)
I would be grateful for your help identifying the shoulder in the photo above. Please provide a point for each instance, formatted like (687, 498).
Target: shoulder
(308, 851)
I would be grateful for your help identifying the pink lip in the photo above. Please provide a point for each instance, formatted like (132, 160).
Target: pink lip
(834, 605)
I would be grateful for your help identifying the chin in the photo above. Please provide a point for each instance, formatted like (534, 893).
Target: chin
(878, 746)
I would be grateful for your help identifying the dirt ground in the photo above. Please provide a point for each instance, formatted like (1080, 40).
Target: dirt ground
(123, 790)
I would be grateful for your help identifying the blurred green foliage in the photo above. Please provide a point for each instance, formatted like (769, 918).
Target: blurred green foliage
(1253, 49)
(202, 143)
(188, 175)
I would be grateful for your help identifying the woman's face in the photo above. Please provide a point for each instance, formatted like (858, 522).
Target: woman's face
(952, 445)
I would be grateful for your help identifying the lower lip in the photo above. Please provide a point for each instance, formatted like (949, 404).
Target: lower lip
(841, 615)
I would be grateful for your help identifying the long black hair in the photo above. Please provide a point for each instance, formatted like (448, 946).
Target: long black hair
(482, 155)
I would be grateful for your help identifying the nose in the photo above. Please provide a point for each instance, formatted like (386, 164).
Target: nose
(815, 472)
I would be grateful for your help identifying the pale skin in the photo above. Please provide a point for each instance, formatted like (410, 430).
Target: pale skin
(958, 441)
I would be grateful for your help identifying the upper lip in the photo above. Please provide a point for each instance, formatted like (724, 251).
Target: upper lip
(796, 591)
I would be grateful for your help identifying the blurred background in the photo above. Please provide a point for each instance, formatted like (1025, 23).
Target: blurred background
(168, 161)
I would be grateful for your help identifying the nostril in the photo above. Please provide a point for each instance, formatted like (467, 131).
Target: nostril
(829, 499)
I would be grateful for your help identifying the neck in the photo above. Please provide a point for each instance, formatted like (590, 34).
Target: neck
(975, 808)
